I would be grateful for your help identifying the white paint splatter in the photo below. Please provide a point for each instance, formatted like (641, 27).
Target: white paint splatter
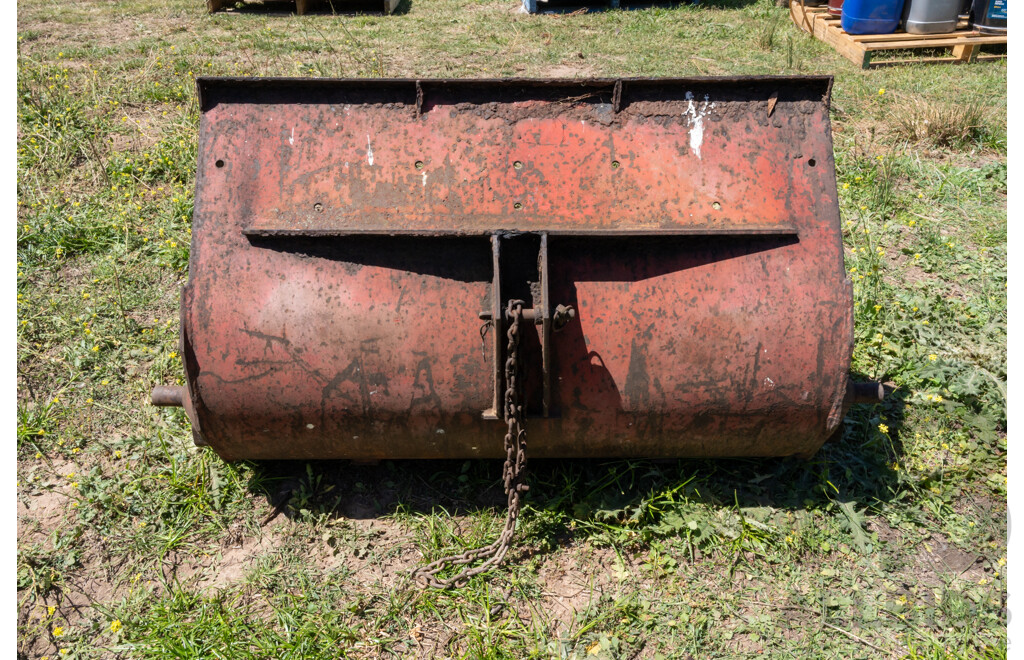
(310, 427)
(424, 179)
(291, 140)
(369, 150)
(769, 383)
(695, 120)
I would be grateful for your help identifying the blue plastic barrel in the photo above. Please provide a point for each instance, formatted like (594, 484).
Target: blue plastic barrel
(871, 16)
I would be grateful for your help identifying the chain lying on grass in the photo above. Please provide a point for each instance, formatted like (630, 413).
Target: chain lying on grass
(513, 473)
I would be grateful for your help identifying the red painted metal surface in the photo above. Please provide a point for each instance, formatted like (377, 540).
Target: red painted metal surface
(354, 242)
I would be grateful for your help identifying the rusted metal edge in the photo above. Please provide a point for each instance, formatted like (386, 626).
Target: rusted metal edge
(545, 333)
(411, 91)
(496, 329)
(779, 230)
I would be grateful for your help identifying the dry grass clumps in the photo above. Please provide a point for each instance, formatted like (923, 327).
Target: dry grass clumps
(945, 124)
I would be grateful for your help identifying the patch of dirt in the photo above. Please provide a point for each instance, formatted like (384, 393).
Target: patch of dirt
(937, 561)
(45, 508)
(234, 562)
(570, 71)
(571, 584)
(42, 508)
(886, 533)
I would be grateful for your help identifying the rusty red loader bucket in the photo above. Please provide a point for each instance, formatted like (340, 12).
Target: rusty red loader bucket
(675, 245)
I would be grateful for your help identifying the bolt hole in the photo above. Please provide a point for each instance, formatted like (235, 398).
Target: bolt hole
(318, 207)
(615, 164)
(716, 206)
(518, 165)
(518, 205)
(219, 163)
(419, 164)
(812, 162)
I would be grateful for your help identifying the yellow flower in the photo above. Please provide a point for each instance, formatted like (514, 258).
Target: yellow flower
(85, 296)
(937, 399)
(57, 631)
(920, 195)
(74, 484)
(115, 625)
(38, 455)
(117, 454)
(864, 208)
(50, 610)
(883, 428)
(933, 357)
(75, 450)
(881, 91)
(846, 186)
(917, 255)
(95, 349)
(878, 307)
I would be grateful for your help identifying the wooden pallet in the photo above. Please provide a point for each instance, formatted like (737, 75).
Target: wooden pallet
(858, 48)
(303, 6)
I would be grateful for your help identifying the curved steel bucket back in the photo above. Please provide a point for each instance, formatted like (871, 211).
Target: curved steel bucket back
(355, 243)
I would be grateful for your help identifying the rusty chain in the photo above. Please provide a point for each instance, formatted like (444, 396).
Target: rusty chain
(513, 474)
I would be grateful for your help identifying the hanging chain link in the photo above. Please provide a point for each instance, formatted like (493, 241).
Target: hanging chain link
(513, 474)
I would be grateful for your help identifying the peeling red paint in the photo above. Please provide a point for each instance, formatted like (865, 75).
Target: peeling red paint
(334, 302)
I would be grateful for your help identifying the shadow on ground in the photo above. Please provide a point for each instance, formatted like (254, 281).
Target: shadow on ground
(277, 8)
(854, 466)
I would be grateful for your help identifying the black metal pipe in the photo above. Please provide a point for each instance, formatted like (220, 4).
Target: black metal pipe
(871, 392)
(168, 396)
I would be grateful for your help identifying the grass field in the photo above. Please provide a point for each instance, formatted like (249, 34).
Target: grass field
(891, 542)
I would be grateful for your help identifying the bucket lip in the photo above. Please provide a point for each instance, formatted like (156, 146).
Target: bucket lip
(207, 85)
